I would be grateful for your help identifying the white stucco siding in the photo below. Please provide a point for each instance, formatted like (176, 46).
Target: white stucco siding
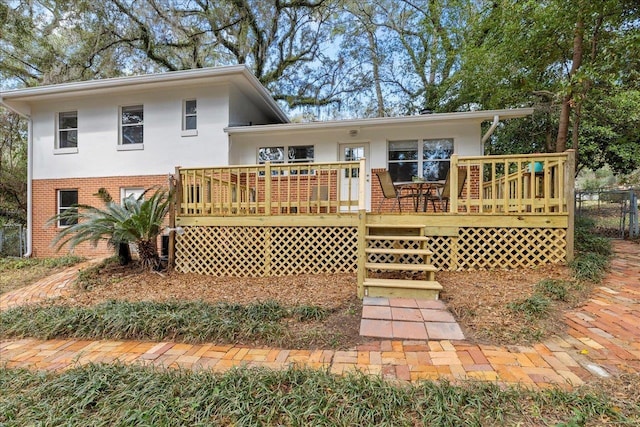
(164, 144)
(466, 136)
(243, 112)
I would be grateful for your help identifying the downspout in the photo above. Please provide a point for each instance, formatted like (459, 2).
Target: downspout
(29, 186)
(492, 128)
(29, 251)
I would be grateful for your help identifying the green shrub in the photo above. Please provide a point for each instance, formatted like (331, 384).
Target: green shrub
(590, 266)
(305, 313)
(186, 321)
(120, 395)
(557, 290)
(587, 241)
(8, 264)
(536, 306)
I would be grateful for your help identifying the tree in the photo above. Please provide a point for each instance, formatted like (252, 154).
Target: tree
(13, 167)
(280, 41)
(136, 220)
(428, 37)
(566, 58)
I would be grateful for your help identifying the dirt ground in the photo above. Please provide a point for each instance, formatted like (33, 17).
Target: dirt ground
(478, 299)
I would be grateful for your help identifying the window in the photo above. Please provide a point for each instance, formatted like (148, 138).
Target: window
(67, 130)
(132, 123)
(67, 200)
(190, 115)
(435, 155)
(428, 158)
(270, 154)
(295, 154)
(130, 192)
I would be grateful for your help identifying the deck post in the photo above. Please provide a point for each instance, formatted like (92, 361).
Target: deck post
(175, 186)
(570, 197)
(453, 184)
(362, 227)
(267, 188)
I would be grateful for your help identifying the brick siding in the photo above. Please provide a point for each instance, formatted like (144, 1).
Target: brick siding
(45, 205)
(391, 205)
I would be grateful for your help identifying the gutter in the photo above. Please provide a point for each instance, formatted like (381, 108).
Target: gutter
(478, 116)
(492, 128)
(29, 251)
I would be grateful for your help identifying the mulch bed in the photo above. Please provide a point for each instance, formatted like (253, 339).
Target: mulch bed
(478, 299)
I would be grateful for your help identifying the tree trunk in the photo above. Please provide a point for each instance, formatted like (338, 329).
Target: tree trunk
(124, 253)
(148, 251)
(375, 59)
(567, 100)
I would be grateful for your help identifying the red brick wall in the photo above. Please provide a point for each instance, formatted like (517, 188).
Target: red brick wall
(389, 205)
(45, 205)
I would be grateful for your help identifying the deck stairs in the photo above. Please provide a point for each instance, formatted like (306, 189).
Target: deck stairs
(400, 251)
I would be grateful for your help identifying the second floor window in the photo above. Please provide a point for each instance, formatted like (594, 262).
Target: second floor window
(68, 129)
(190, 119)
(132, 125)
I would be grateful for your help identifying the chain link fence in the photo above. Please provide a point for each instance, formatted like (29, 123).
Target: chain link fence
(13, 240)
(615, 212)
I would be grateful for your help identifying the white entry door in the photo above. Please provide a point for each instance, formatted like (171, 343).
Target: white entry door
(349, 153)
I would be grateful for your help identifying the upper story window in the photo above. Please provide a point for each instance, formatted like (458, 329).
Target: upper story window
(67, 200)
(190, 115)
(427, 158)
(132, 125)
(67, 130)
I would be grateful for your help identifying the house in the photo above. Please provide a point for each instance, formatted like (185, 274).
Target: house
(245, 175)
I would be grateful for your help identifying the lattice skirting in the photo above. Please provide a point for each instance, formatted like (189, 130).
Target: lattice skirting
(492, 248)
(266, 251)
(282, 251)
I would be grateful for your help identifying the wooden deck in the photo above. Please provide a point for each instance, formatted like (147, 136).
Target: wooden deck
(269, 220)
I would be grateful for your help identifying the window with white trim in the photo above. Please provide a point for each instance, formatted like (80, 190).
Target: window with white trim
(67, 200)
(190, 114)
(134, 192)
(294, 154)
(67, 135)
(132, 125)
(426, 158)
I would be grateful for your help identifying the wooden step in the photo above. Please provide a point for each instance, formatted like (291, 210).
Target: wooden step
(423, 289)
(396, 226)
(385, 237)
(396, 251)
(401, 267)
(395, 229)
(399, 283)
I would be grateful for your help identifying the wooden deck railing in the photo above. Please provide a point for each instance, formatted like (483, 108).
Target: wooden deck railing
(514, 184)
(271, 189)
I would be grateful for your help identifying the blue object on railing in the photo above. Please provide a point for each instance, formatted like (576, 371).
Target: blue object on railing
(537, 167)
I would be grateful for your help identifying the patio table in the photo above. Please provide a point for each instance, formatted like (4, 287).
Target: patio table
(418, 189)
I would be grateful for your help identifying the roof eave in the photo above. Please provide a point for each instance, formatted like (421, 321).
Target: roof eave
(479, 116)
(83, 88)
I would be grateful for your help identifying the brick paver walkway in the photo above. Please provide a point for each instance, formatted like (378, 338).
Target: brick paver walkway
(603, 338)
(52, 286)
(408, 319)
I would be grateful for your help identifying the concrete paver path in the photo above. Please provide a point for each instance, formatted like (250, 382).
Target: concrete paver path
(602, 339)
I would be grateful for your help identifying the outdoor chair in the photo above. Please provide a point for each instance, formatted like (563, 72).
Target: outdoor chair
(389, 190)
(443, 194)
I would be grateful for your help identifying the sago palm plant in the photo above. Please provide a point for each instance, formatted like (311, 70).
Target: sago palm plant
(136, 220)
